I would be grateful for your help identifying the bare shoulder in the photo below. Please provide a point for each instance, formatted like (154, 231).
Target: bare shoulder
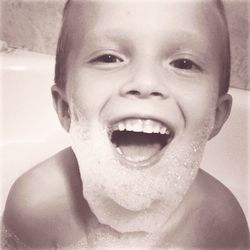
(42, 201)
(217, 215)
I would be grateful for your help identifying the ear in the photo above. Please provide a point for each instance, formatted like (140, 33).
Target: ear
(223, 109)
(61, 106)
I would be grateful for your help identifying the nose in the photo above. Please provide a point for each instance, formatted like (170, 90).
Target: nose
(144, 84)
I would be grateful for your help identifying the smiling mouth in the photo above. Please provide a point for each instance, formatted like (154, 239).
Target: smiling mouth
(140, 142)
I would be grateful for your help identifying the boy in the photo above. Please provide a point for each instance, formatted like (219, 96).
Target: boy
(140, 87)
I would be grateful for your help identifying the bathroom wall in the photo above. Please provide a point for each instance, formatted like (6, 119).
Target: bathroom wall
(31, 24)
(238, 13)
(34, 24)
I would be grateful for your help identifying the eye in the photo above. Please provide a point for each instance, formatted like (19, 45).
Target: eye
(185, 64)
(107, 58)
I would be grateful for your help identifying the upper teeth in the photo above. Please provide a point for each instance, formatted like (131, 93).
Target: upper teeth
(141, 125)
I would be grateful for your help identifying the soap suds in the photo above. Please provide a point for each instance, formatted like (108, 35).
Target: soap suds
(130, 200)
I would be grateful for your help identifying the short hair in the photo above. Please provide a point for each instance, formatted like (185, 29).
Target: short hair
(65, 40)
(226, 74)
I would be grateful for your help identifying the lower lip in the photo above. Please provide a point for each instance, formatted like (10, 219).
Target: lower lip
(139, 164)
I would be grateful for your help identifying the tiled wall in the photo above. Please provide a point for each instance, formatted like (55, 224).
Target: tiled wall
(34, 24)
(238, 13)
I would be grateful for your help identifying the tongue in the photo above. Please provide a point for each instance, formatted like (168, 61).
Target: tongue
(139, 146)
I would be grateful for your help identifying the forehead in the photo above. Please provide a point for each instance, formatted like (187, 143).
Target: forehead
(96, 19)
(94, 10)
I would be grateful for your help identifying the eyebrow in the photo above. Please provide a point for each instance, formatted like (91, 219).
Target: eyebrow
(113, 35)
(117, 34)
(174, 40)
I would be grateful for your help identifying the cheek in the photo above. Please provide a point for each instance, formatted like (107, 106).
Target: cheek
(201, 114)
(198, 105)
(90, 93)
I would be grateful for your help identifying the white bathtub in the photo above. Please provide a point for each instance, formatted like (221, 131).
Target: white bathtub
(31, 131)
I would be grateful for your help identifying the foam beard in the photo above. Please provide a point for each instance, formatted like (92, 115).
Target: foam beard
(130, 199)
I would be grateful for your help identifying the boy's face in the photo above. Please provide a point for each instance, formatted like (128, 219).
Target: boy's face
(161, 61)
(154, 69)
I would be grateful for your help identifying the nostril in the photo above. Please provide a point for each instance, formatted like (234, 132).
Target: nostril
(143, 94)
(134, 92)
(156, 94)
